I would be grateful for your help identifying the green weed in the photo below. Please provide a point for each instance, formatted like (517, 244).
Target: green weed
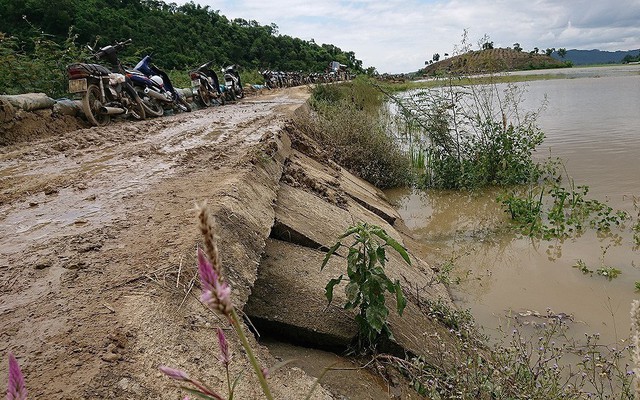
(608, 272)
(367, 281)
(471, 136)
(551, 210)
(582, 267)
(544, 365)
(40, 69)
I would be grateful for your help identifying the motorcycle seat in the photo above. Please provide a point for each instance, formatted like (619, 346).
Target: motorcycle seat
(90, 69)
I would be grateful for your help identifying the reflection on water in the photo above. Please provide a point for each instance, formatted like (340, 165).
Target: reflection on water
(592, 124)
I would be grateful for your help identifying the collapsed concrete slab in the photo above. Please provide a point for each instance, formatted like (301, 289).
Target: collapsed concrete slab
(288, 297)
(288, 301)
(306, 219)
(337, 185)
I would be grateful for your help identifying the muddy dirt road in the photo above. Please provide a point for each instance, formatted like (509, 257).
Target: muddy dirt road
(97, 248)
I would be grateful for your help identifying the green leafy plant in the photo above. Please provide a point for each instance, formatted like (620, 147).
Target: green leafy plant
(582, 267)
(551, 210)
(367, 280)
(608, 272)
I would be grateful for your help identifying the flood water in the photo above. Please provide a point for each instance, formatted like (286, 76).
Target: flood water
(592, 122)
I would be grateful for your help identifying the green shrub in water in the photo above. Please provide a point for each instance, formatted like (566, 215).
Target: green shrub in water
(471, 136)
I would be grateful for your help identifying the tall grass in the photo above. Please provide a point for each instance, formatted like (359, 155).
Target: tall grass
(345, 120)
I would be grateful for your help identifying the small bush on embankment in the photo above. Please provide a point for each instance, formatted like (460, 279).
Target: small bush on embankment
(345, 121)
(40, 69)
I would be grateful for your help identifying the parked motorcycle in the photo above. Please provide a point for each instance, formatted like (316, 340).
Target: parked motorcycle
(155, 88)
(205, 85)
(233, 83)
(104, 92)
(270, 79)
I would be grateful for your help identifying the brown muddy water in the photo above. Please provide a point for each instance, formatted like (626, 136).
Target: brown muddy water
(592, 122)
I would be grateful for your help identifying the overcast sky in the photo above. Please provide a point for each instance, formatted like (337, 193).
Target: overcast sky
(399, 35)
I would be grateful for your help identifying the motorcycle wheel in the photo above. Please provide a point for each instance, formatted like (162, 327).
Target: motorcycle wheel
(135, 106)
(91, 104)
(152, 107)
(182, 104)
(204, 96)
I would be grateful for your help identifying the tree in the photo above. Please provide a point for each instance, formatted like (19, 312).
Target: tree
(371, 71)
(487, 45)
(436, 57)
(549, 51)
(168, 31)
(516, 47)
(535, 50)
(562, 52)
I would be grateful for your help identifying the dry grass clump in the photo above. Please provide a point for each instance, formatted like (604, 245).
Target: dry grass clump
(345, 121)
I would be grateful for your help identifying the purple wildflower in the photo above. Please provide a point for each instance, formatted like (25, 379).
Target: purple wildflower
(182, 376)
(173, 373)
(205, 269)
(16, 389)
(225, 357)
(215, 293)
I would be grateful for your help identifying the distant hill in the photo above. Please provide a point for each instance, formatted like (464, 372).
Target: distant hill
(493, 60)
(586, 57)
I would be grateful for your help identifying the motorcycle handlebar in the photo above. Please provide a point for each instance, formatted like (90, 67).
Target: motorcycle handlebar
(120, 45)
(105, 51)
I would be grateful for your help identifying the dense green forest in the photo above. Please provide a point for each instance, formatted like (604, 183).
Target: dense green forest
(179, 37)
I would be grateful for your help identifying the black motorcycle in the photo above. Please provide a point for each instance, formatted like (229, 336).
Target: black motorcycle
(232, 83)
(155, 88)
(105, 92)
(206, 86)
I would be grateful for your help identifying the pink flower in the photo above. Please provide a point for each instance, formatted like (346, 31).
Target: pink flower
(16, 389)
(225, 357)
(207, 275)
(175, 373)
(182, 376)
(215, 293)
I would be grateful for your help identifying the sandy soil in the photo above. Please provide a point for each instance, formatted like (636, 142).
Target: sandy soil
(97, 249)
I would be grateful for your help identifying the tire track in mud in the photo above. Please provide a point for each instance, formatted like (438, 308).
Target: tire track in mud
(82, 184)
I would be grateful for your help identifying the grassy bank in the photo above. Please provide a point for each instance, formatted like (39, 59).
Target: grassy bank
(346, 121)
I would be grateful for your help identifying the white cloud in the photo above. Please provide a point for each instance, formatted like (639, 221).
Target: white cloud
(399, 35)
